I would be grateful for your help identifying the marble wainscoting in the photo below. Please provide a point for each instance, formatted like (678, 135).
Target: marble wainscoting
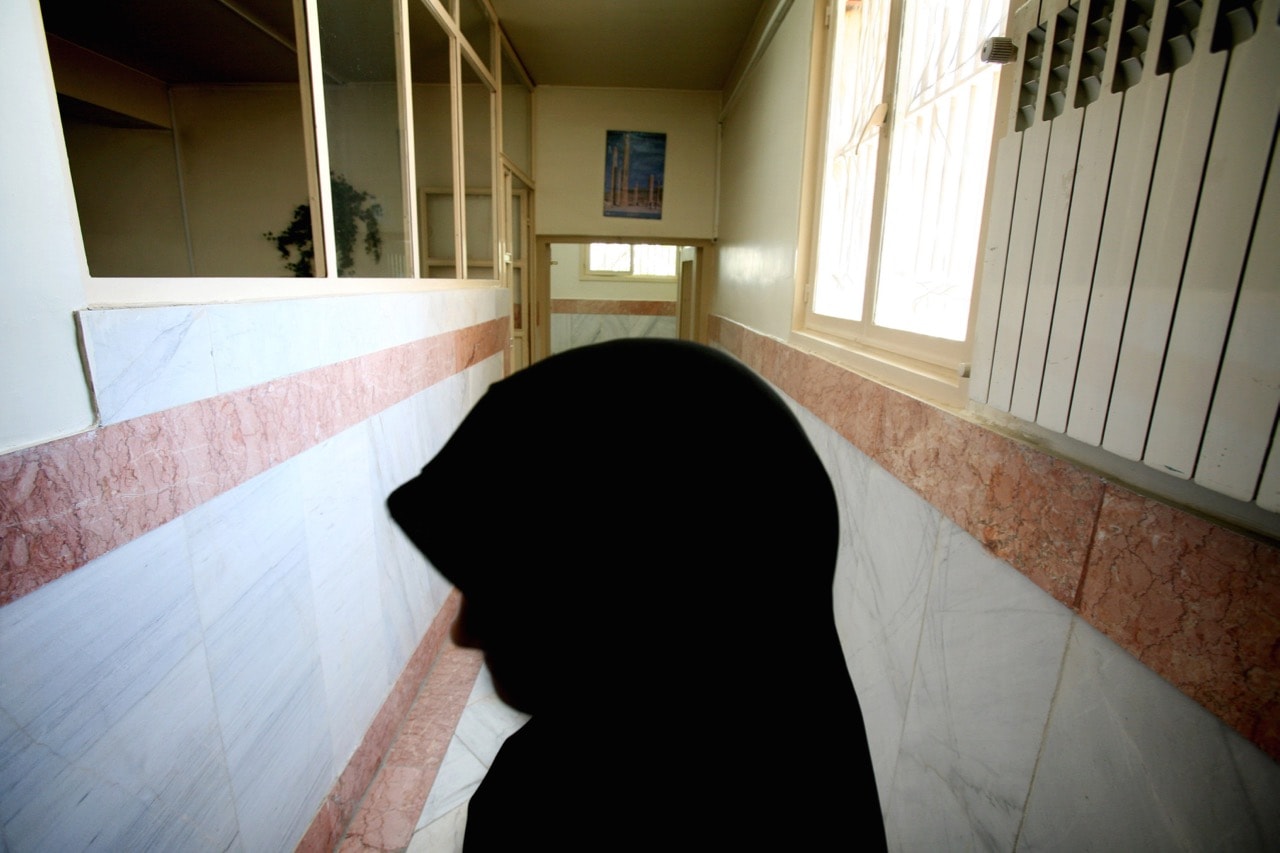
(1196, 602)
(204, 685)
(145, 359)
(1000, 719)
(211, 628)
(1045, 660)
(579, 322)
(71, 500)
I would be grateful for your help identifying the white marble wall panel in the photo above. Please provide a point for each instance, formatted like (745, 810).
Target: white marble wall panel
(250, 560)
(561, 330)
(584, 329)
(883, 569)
(202, 686)
(168, 750)
(146, 360)
(108, 730)
(404, 438)
(341, 512)
(1131, 763)
(880, 601)
(997, 720)
(988, 664)
(149, 358)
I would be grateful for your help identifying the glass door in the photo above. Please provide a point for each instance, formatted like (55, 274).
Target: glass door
(515, 269)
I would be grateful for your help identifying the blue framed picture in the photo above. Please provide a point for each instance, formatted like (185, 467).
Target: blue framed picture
(634, 171)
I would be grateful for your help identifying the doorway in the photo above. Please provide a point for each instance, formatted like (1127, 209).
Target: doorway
(595, 291)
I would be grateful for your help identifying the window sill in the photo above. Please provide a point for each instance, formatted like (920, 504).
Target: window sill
(137, 292)
(924, 380)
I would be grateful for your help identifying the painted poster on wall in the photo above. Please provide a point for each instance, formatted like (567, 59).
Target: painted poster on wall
(634, 166)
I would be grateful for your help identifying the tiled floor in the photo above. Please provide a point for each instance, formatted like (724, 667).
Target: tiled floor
(485, 724)
(417, 779)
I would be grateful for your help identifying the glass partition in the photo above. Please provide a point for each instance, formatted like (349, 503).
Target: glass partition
(478, 102)
(185, 151)
(202, 162)
(517, 117)
(477, 29)
(430, 61)
(515, 262)
(517, 258)
(361, 96)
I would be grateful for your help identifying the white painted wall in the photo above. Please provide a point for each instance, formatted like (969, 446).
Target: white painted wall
(569, 148)
(41, 254)
(762, 157)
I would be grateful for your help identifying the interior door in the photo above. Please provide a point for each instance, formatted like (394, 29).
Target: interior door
(516, 268)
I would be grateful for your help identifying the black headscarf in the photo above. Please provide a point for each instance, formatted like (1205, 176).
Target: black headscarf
(645, 541)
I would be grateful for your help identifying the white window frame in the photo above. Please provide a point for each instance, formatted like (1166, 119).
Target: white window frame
(934, 366)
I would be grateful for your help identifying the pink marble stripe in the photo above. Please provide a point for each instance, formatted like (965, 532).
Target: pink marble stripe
(69, 501)
(1197, 602)
(634, 307)
(1026, 507)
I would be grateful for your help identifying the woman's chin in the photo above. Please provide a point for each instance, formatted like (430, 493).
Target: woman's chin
(513, 691)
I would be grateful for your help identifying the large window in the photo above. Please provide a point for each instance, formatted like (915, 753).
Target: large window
(909, 114)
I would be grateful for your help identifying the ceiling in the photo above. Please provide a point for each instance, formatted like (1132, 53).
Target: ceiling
(657, 44)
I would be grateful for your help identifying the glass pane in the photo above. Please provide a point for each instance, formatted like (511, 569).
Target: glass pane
(433, 141)
(941, 140)
(654, 260)
(853, 144)
(609, 257)
(437, 208)
(477, 30)
(358, 51)
(517, 117)
(479, 157)
(143, 210)
(517, 297)
(516, 242)
(479, 239)
(517, 222)
(125, 175)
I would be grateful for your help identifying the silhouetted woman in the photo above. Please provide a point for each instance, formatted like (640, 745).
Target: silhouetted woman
(658, 598)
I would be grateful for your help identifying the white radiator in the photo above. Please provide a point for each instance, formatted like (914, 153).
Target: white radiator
(1131, 277)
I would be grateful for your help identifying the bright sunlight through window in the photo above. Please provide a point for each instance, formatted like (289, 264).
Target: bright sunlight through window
(907, 145)
(636, 261)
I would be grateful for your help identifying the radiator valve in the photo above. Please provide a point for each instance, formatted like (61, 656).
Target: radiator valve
(1000, 50)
